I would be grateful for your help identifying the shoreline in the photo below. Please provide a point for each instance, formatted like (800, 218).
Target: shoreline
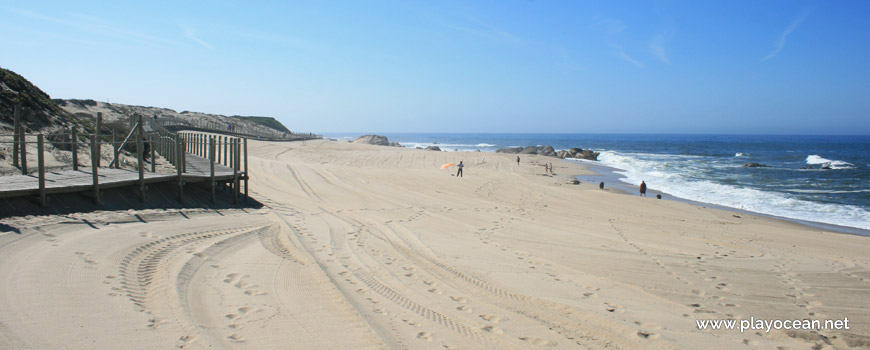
(612, 179)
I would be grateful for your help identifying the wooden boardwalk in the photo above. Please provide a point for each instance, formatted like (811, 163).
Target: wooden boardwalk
(186, 151)
(68, 181)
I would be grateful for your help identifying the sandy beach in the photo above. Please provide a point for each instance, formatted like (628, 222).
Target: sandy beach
(371, 247)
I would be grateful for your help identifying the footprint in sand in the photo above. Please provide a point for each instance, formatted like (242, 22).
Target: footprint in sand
(184, 340)
(425, 336)
(493, 329)
(648, 325)
(435, 291)
(647, 335)
(535, 341)
(411, 322)
(254, 292)
(459, 299)
(380, 311)
(231, 316)
(231, 277)
(464, 308)
(154, 323)
(491, 318)
(235, 338)
(614, 308)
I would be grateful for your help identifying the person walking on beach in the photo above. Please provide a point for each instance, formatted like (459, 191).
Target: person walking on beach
(643, 189)
(518, 160)
(459, 166)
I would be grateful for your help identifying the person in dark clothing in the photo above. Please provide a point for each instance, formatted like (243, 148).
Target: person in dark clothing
(518, 160)
(459, 166)
(643, 189)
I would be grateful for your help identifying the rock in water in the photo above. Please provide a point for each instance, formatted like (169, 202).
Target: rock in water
(754, 165)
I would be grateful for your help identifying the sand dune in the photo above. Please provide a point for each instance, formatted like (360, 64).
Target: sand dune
(363, 246)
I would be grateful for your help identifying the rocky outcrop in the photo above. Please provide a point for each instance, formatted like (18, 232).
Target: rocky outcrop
(578, 154)
(550, 152)
(754, 165)
(509, 150)
(433, 148)
(377, 140)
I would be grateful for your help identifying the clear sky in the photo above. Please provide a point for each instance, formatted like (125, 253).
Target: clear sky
(780, 67)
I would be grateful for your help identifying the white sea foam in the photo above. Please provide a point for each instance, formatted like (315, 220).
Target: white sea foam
(740, 154)
(447, 146)
(815, 159)
(662, 173)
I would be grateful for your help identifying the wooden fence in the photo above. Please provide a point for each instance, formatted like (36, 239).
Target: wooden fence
(264, 133)
(215, 158)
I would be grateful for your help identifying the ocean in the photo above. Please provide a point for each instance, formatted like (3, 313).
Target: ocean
(709, 168)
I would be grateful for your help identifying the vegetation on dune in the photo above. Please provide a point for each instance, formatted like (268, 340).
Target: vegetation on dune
(38, 110)
(268, 122)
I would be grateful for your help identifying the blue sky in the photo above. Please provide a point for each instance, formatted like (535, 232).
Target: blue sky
(768, 67)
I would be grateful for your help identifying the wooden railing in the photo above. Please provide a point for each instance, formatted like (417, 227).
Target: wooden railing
(259, 133)
(170, 145)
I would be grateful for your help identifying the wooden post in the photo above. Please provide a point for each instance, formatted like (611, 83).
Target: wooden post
(173, 152)
(23, 138)
(75, 148)
(211, 157)
(40, 160)
(97, 134)
(153, 161)
(115, 150)
(16, 134)
(235, 171)
(183, 157)
(247, 176)
(140, 150)
(178, 170)
(94, 166)
(226, 150)
(236, 167)
(217, 143)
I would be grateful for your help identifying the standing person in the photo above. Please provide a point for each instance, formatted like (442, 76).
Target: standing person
(518, 160)
(643, 189)
(459, 166)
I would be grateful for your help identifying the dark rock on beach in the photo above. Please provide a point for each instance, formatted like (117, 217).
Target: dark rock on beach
(550, 152)
(578, 154)
(433, 148)
(509, 150)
